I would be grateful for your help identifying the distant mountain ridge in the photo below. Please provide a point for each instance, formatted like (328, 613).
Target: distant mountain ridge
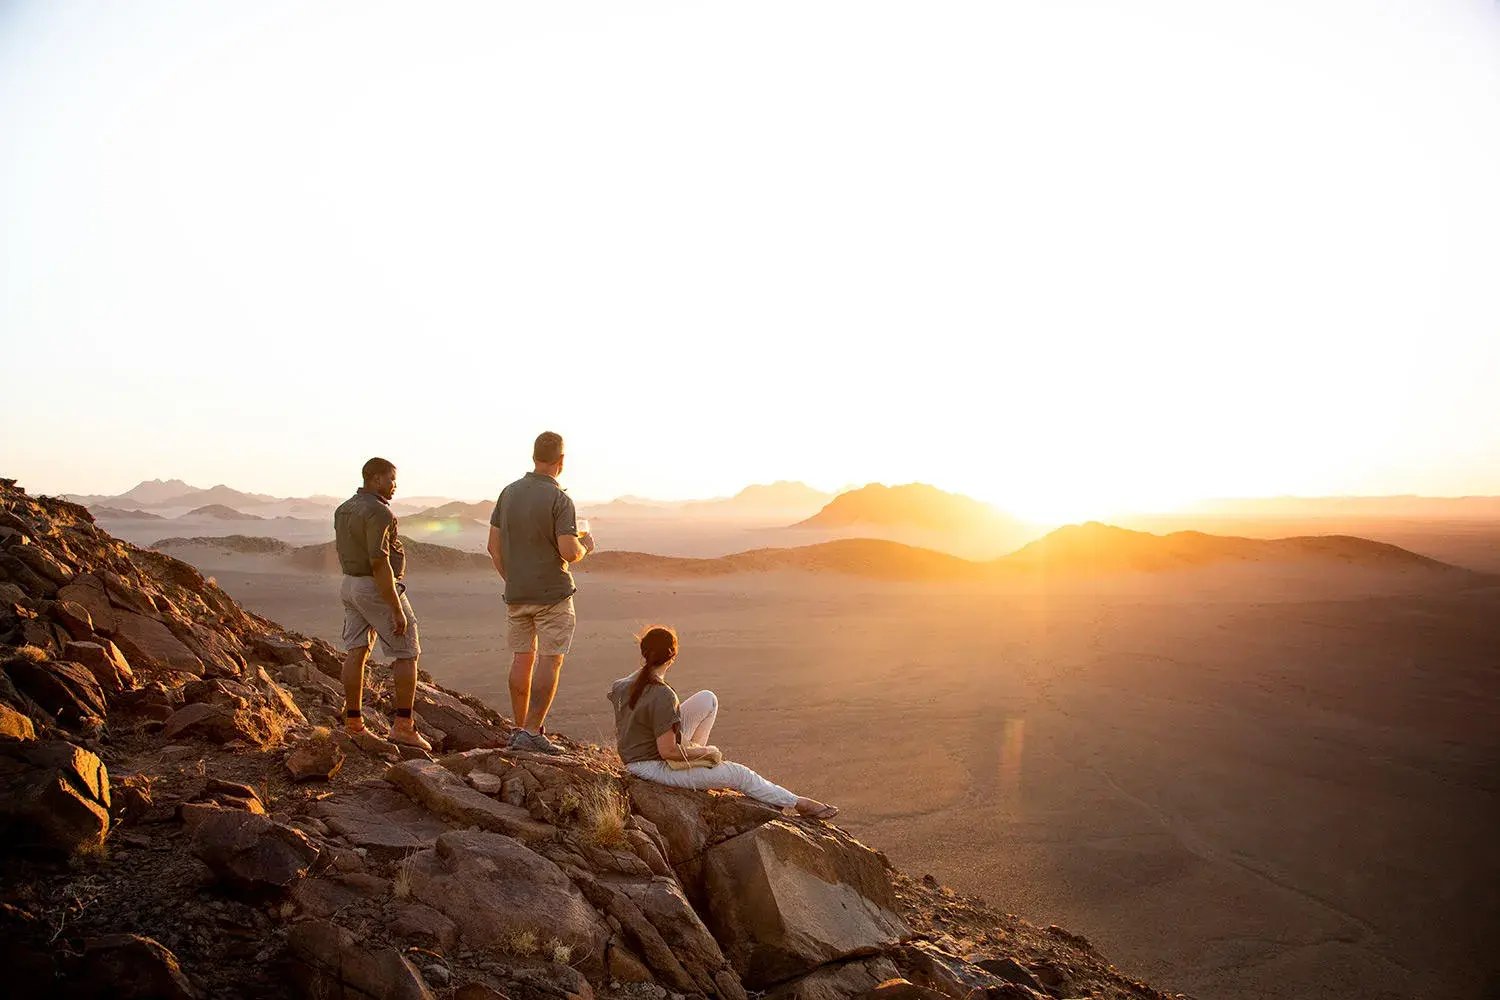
(913, 505)
(219, 512)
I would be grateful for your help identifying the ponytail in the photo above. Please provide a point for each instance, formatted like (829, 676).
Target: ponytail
(658, 646)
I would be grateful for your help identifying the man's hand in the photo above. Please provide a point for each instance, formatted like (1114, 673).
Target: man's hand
(587, 538)
(398, 620)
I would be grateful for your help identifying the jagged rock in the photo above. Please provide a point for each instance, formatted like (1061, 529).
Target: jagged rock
(375, 816)
(315, 759)
(211, 802)
(928, 965)
(217, 724)
(691, 822)
(66, 691)
(307, 675)
(446, 794)
(148, 705)
(463, 727)
(104, 660)
(73, 617)
(662, 903)
(278, 698)
(285, 652)
(130, 967)
(333, 964)
(487, 784)
(494, 888)
(785, 898)
(149, 642)
(1011, 971)
(421, 923)
(857, 977)
(54, 796)
(253, 851)
(15, 725)
(42, 563)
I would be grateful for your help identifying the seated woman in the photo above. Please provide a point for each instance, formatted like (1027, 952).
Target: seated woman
(652, 728)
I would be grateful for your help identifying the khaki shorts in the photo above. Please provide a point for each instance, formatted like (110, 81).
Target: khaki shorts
(366, 615)
(543, 628)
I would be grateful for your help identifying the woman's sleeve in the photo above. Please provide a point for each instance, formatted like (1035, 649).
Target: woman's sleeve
(664, 711)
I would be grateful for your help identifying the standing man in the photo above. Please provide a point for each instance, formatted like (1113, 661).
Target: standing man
(375, 601)
(533, 539)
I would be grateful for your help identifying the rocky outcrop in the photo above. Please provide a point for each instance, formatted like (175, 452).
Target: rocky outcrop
(54, 796)
(253, 849)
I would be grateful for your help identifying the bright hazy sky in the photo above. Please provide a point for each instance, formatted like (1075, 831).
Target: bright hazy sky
(1070, 256)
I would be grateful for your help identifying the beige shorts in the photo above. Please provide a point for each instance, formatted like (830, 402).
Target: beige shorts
(543, 628)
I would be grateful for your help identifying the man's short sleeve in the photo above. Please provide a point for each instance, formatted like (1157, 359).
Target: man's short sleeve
(662, 711)
(564, 516)
(377, 535)
(495, 517)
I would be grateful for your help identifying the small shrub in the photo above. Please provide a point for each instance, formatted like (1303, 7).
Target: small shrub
(561, 953)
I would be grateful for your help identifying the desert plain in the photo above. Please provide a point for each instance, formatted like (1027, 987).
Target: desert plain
(1258, 780)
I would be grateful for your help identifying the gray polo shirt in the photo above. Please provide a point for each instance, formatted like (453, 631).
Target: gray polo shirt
(530, 513)
(364, 529)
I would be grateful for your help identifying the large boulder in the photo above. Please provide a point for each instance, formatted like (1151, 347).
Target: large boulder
(130, 967)
(87, 591)
(253, 851)
(690, 822)
(54, 797)
(66, 691)
(331, 962)
(447, 795)
(147, 641)
(496, 889)
(787, 897)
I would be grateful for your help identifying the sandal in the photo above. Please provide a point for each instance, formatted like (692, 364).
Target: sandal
(409, 738)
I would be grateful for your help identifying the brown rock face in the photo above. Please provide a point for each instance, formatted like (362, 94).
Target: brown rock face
(332, 963)
(146, 640)
(381, 819)
(785, 898)
(131, 967)
(252, 851)
(446, 794)
(494, 889)
(54, 796)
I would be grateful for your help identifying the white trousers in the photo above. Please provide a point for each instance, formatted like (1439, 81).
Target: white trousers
(699, 713)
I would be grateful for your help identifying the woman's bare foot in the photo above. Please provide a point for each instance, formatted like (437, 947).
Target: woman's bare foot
(813, 809)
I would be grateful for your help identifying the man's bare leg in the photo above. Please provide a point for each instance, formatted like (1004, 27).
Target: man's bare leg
(520, 686)
(543, 690)
(353, 676)
(404, 678)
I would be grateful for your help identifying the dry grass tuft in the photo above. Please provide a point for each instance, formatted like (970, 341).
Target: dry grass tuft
(602, 815)
(560, 952)
(33, 653)
(520, 943)
(401, 884)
